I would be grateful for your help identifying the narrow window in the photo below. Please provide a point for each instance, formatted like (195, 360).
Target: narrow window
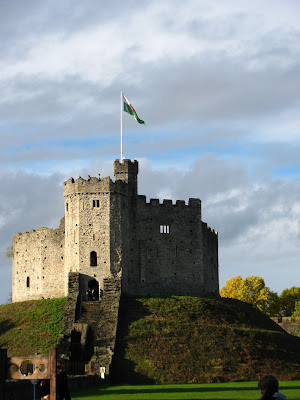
(93, 236)
(27, 281)
(96, 203)
(164, 229)
(93, 257)
(67, 206)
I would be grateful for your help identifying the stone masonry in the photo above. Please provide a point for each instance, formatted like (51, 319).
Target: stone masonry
(109, 230)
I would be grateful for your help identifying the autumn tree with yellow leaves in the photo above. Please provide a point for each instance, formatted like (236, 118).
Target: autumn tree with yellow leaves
(252, 290)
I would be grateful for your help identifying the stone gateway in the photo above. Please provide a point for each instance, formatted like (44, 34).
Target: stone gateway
(110, 231)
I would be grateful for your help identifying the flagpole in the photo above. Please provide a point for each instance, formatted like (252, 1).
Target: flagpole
(121, 127)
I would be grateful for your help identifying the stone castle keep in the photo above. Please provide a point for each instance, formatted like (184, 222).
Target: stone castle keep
(109, 231)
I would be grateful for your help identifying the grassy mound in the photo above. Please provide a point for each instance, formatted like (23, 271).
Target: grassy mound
(189, 339)
(31, 327)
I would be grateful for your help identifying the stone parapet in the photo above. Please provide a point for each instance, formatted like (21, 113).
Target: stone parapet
(195, 203)
(126, 166)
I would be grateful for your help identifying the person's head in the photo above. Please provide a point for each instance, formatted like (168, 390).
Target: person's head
(268, 384)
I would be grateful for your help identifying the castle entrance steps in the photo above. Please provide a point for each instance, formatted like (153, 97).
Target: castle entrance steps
(106, 328)
(86, 327)
(90, 311)
(89, 332)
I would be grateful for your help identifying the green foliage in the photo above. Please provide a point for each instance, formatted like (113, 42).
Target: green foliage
(9, 252)
(252, 290)
(31, 327)
(191, 339)
(297, 310)
(218, 391)
(287, 300)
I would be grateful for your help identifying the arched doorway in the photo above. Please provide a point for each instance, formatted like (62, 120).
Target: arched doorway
(93, 286)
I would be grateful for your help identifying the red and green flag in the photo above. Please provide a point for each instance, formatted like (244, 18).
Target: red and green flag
(128, 108)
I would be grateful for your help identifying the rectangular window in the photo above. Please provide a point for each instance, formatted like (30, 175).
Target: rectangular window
(164, 229)
(96, 203)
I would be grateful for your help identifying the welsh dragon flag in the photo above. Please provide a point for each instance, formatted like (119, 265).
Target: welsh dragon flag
(128, 108)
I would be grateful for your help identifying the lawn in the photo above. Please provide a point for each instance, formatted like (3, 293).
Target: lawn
(213, 391)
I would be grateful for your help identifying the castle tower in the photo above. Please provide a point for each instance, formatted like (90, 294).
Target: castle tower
(87, 230)
(127, 171)
(126, 174)
(97, 220)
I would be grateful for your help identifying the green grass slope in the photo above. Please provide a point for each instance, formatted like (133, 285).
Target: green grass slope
(30, 327)
(189, 339)
(208, 391)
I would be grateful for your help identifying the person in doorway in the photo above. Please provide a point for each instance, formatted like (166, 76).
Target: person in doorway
(89, 294)
(44, 389)
(62, 386)
(269, 386)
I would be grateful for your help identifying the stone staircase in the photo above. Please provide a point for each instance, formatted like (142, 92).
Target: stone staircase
(90, 311)
(87, 324)
(105, 330)
(89, 333)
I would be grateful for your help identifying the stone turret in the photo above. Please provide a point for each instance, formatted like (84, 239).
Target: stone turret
(127, 171)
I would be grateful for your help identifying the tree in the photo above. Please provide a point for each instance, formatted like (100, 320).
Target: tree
(9, 252)
(297, 310)
(252, 290)
(288, 299)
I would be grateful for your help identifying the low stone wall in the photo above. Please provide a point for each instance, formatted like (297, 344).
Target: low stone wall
(290, 326)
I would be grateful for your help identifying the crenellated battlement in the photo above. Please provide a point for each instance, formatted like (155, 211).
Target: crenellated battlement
(169, 203)
(210, 230)
(126, 166)
(80, 185)
(92, 186)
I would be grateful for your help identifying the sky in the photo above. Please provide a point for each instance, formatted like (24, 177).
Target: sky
(217, 83)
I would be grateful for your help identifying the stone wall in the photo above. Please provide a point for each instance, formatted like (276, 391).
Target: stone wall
(173, 252)
(38, 264)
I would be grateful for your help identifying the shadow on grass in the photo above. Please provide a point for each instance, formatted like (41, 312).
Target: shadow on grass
(181, 390)
(282, 388)
(5, 326)
(123, 370)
